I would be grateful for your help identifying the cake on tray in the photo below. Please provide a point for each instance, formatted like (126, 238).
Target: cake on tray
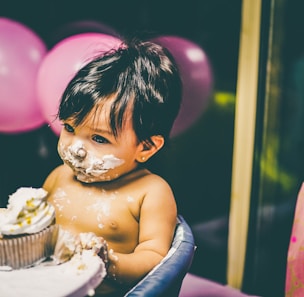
(77, 277)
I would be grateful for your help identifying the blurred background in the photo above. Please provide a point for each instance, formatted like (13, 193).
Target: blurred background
(198, 164)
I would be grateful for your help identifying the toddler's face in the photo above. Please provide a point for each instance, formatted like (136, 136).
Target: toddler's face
(92, 151)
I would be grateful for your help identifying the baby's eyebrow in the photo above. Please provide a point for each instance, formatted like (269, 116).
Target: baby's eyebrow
(102, 131)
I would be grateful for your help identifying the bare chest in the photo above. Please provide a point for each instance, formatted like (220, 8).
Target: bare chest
(109, 214)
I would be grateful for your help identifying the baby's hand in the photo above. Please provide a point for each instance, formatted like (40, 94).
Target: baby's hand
(89, 241)
(104, 253)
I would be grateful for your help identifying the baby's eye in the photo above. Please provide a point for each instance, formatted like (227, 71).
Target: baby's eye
(100, 139)
(68, 128)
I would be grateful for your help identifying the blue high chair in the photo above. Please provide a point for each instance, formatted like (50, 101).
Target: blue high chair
(165, 279)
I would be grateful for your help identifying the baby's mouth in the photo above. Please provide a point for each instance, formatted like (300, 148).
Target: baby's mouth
(77, 168)
(89, 171)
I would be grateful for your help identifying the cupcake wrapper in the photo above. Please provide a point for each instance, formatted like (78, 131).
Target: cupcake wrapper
(28, 250)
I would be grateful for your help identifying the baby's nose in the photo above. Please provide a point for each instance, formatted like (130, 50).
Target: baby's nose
(78, 151)
(81, 153)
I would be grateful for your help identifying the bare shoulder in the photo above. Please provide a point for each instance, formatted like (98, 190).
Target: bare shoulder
(158, 190)
(153, 182)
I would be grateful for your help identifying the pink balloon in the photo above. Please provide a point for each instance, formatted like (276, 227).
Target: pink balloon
(21, 52)
(79, 27)
(197, 78)
(61, 64)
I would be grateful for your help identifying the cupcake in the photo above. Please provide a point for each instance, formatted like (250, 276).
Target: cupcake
(28, 232)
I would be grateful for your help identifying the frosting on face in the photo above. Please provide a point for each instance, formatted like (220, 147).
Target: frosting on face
(87, 166)
(27, 212)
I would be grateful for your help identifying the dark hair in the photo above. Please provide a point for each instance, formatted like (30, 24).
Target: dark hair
(142, 75)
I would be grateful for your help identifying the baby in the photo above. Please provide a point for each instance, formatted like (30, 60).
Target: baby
(117, 113)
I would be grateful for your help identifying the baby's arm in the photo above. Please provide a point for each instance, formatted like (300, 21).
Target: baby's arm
(157, 223)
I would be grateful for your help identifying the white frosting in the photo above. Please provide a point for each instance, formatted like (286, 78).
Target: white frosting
(89, 241)
(65, 247)
(87, 166)
(76, 278)
(27, 212)
(68, 245)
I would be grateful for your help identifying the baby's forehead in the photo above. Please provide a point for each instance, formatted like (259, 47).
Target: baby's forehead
(99, 116)
(105, 114)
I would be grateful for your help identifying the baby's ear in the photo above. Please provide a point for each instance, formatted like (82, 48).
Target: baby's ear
(148, 150)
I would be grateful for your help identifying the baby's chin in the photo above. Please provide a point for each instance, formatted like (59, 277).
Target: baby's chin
(87, 178)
